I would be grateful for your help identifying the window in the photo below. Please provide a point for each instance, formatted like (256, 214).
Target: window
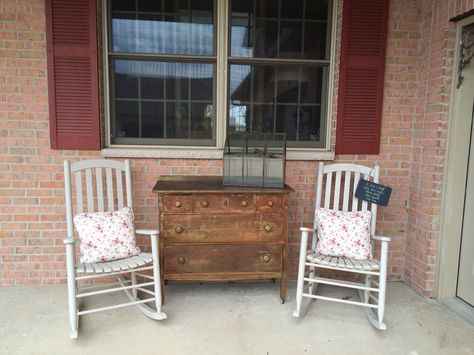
(279, 68)
(163, 72)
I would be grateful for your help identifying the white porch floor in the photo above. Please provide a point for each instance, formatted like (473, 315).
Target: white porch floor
(235, 318)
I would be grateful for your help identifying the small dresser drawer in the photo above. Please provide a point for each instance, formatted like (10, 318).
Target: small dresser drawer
(222, 258)
(178, 203)
(224, 203)
(270, 203)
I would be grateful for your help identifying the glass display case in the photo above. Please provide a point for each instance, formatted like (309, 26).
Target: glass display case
(255, 159)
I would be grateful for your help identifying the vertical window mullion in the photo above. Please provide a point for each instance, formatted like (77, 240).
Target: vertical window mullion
(252, 101)
(189, 109)
(139, 107)
(222, 71)
(275, 101)
(300, 77)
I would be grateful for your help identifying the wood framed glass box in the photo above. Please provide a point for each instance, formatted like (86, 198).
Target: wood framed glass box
(255, 159)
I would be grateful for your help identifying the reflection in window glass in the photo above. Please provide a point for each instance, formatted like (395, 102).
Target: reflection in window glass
(240, 83)
(277, 29)
(164, 100)
(177, 30)
(269, 98)
(239, 118)
(278, 71)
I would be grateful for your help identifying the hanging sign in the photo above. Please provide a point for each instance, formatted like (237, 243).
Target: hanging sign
(372, 192)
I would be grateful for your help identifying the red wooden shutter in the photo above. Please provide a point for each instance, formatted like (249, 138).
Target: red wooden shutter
(361, 76)
(73, 74)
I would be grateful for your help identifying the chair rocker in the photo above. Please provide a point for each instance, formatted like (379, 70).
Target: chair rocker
(371, 292)
(81, 276)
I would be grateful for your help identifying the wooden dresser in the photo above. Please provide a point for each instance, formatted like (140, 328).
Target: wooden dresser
(213, 233)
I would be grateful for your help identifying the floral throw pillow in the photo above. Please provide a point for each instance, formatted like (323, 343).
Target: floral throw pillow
(344, 234)
(106, 236)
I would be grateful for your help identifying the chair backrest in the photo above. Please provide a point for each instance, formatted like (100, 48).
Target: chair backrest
(336, 186)
(95, 190)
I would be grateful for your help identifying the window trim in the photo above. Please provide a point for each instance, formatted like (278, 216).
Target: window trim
(221, 100)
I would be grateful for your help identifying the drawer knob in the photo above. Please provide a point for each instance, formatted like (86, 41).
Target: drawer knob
(244, 203)
(266, 258)
(181, 260)
(204, 203)
(178, 204)
(179, 229)
(268, 228)
(270, 203)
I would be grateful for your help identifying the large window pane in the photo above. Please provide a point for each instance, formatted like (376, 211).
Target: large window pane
(279, 29)
(174, 28)
(279, 99)
(162, 100)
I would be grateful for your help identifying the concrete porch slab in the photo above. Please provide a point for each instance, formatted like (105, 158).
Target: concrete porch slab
(231, 318)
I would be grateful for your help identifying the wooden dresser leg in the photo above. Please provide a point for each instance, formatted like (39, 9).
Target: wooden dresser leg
(283, 290)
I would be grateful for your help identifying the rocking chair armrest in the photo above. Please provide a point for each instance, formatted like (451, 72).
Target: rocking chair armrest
(147, 231)
(383, 239)
(306, 229)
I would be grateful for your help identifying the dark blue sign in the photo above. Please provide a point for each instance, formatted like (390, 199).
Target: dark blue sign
(372, 192)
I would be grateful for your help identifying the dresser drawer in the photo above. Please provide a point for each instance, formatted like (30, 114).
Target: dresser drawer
(271, 227)
(222, 258)
(224, 203)
(270, 203)
(178, 203)
(218, 228)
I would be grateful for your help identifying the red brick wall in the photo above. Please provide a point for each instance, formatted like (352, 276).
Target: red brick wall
(418, 75)
(430, 127)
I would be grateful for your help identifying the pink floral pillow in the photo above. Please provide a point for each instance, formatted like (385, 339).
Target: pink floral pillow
(106, 236)
(344, 234)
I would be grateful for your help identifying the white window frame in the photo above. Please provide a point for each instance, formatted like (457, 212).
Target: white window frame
(215, 152)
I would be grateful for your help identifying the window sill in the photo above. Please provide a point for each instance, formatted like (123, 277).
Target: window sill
(204, 153)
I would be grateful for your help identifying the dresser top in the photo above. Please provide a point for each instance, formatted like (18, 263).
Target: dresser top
(191, 184)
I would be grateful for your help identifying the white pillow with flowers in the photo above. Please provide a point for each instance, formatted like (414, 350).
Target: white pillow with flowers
(106, 236)
(344, 234)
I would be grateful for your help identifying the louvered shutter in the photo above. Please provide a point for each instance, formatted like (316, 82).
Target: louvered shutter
(361, 76)
(73, 74)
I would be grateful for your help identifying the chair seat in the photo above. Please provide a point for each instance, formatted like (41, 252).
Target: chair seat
(116, 265)
(344, 263)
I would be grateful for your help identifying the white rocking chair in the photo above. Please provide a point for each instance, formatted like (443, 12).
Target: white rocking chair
(371, 292)
(81, 275)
